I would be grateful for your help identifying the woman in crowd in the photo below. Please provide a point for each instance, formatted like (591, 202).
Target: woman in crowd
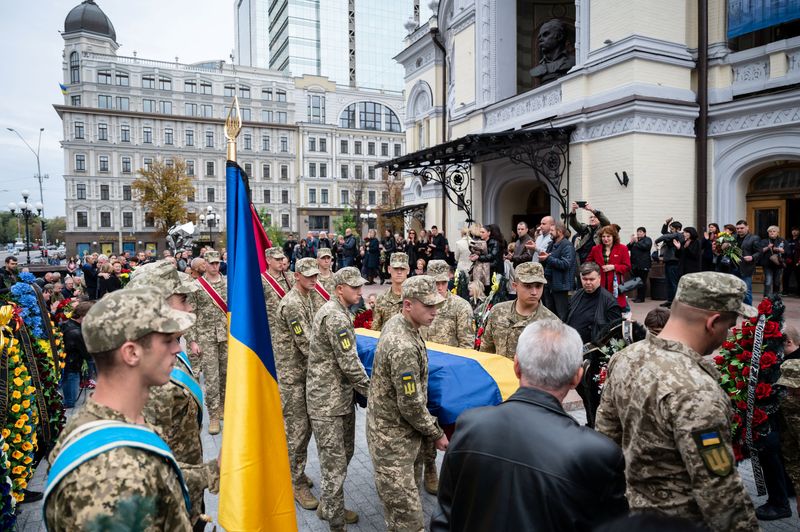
(420, 268)
(773, 260)
(107, 280)
(614, 260)
(411, 246)
(301, 250)
(462, 253)
(481, 271)
(707, 244)
(495, 246)
(689, 252)
(372, 257)
(388, 247)
(476, 294)
(422, 249)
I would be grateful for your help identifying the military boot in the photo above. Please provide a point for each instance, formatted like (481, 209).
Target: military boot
(305, 498)
(213, 426)
(350, 517)
(307, 481)
(431, 478)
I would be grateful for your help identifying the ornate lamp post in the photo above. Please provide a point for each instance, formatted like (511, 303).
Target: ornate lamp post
(39, 175)
(210, 220)
(26, 212)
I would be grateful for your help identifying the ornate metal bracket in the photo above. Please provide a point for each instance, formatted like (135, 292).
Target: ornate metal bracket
(410, 215)
(456, 181)
(550, 165)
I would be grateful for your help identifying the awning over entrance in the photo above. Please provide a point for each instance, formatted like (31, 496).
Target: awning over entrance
(409, 213)
(545, 151)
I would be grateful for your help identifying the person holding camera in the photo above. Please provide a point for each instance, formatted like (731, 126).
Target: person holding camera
(587, 236)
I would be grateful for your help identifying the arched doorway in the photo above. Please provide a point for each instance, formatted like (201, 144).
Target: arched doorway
(773, 198)
(522, 201)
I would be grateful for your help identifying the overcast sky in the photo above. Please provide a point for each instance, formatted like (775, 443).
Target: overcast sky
(192, 30)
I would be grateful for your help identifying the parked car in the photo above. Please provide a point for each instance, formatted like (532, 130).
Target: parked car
(61, 252)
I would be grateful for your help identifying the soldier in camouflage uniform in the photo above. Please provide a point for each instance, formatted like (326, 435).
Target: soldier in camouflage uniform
(171, 408)
(325, 278)
(334, 372)
(790, 422)
(275, 272)
(389, 303)
(508, 319)
(133, 337)
(662, 403)
(209, 338)
(398, 421)
(291, 335)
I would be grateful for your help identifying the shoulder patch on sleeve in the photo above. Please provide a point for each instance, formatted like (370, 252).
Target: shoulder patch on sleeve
(713, 451)
(344, 339)
(409, 384)
(297, 329)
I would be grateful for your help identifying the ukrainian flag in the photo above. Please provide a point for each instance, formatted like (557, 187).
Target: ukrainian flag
(64, 88)
(255, 484)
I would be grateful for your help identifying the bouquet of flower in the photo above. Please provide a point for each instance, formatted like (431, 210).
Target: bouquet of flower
(608, 350)
(735, 364)
(497, 294)
(64, 310)
(363, 319)
(728, 249)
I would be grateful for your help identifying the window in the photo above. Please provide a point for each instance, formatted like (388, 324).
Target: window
(284, 172)
(166, 107)
(344, 146)
(122, 79)
(168, 136)
(190, 86)
(189, 134)
(74, 70)
(318, 223)
(284, 221)
(265, 171)
(104, 77)
(371, 197)
(284, 196)
(343, 171)
(105, 219)
(104, 101)
(267, 196)
(127, 219)
(369, 114)
(248, 169)
(80, 163)
(384, 149)
(390, 120)
(265, 143)
(312, 144)
(357, 147)
(280, 95)
(323, 144)
(80, 191)
(323, 170)
(345, 197)
(246, 115)
(281, 117)
(126, 165)
(169, 163)
(229, 91)
(371, 172)
(82, 219)
(126, 192)
(397, 150)
(104, 194)
(316, 108)
(190, 168)
(78, 130)
(165, 84)
(123, 103)
(148, 82)
(323, 196)
(147, 135)
(284, 144)
(209, 168)
(359, 172)
(125, 133)
(148, 106)
(266, 116)
(385, 197)
(149, 219)
(205, 87)
(370, 148)
(191, 109)
(312, 169)
(266, 94)
(76, 101)
(248, 141)
(348, 118)
(102, 131)
(210, 195)
(209, 139)
(244, 92)
(207, 110)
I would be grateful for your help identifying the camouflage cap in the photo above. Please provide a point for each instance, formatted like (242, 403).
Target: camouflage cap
(714, 291)
(129, 315)
(530, 272)
(790, 374)
(161, 275)
(324, 252)
(349, 276)
(399, 260)
(306, 267)
(423, 289)
(212, 256)
(274, 253)
(439, 270)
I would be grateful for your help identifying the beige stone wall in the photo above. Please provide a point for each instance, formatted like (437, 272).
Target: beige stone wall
(464, 65)
(615, 20)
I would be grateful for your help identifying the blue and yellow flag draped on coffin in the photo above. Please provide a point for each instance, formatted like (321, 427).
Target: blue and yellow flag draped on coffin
(458, 379)
(255, 482)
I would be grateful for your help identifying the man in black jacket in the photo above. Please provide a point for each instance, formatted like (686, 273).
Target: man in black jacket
(349, 248)
(750, 245)
(75, 348)
(670, 231)
(639, 247)
(438, 245)
(592, 308)
(545, 472)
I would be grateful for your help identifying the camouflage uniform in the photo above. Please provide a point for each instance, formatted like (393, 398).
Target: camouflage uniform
(290, 339)
(454, 323)
(210, 331)
(334, 372)
(790, 420)
(388, 304)
(663, 405)
(270, 295)
(398, 420)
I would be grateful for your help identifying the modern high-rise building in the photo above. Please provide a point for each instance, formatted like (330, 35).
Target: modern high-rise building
(251, 26)
(351, 42)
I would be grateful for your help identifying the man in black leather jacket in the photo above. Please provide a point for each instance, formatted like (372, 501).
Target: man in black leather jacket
(526, 464)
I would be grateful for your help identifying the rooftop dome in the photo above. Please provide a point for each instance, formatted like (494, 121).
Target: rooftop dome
(90, 18)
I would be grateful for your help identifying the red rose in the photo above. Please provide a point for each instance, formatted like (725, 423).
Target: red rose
(744, 356)
(728, 346)
(740, 384)
(718, 360)
(737, 419)
(745, 371)
(772, 330)
(765, 307)
(741, 405)
(768, 360)
(746, 343)
(763, 390)
(759, 417)
(733, 370)
(737, 453)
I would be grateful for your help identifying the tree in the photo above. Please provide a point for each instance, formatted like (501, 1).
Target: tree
(274, 233)
(162, 190)
(346, 220)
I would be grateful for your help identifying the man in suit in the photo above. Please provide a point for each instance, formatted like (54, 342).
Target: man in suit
(750, 245)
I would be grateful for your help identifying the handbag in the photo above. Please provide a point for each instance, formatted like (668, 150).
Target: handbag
(775, 259)
(631, 284)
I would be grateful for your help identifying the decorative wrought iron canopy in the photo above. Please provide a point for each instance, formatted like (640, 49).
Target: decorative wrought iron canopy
(409, 212)
(545, 151)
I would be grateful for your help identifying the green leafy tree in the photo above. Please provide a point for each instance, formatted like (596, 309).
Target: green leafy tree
(276, 236)
(162, 190)
(345, 220)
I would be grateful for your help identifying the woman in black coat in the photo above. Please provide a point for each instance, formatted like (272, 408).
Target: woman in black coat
(388, 246)
(495, 245)
(689, 253)
(372, 256)
(410, 245)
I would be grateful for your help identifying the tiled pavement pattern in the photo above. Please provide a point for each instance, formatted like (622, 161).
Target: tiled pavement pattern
(360, 494)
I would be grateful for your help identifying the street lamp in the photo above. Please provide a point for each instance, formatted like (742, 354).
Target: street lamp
(368, 217)
(38, 176)
(210, 220)
(26, 213)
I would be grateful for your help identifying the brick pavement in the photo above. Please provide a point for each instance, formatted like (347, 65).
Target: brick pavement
(360, 494)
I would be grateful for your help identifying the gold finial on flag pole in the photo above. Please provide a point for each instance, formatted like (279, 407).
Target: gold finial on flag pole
(233, 126)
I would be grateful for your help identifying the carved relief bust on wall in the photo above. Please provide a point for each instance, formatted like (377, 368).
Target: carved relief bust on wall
(556, 56)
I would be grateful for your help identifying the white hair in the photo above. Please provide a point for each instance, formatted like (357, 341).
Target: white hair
(549, 353)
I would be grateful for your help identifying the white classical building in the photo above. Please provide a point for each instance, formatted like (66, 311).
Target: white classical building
(121, 113)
